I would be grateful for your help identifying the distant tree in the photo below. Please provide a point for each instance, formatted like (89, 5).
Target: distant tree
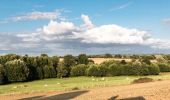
(108, 56)
(82, 59)
(69, 60)
(146, 61)
(55, 61)
(44, 55)
(118, 56)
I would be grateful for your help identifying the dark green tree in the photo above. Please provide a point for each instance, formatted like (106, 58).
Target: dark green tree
(16, 71)
(82, 59)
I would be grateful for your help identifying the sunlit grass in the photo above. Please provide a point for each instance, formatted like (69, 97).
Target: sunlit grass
(66, 84)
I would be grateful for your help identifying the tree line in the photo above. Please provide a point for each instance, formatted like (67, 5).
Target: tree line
(16, 68)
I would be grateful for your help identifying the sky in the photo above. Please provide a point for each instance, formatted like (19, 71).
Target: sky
(60, 27)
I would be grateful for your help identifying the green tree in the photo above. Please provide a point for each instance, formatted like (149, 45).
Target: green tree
(79, 70)
(62, 71)
(82, 59)
(49, 72)
(2, 75)
(16, 71)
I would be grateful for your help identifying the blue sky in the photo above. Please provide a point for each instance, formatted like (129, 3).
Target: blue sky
(71, 23)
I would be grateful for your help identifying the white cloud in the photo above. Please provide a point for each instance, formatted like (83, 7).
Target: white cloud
(36, 15)
(70, 36)
(167, 21)
(112, 34)
(54, 28)
(87, 22)
(121, 6)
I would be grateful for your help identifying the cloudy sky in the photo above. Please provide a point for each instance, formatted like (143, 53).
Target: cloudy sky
(90, 26)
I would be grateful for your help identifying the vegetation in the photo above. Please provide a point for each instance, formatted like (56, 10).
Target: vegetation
(57, 84)
(15, 68)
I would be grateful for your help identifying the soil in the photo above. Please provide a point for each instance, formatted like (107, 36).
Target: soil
(157, 90)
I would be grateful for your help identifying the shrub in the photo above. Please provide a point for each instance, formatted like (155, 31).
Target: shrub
(2, 75)
(115, 69)
(108, 63)
(164, 67)
(103, 71)
(62, 71)
(78, 70)
(39, 73)
(16, 71)
(96, 70)
(135, 69)
(49, 72)
(153, 69)
(146, 61)
(92, 70)
(142, 80)
(139, 69)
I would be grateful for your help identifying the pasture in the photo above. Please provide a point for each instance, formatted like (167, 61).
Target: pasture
(72, 83)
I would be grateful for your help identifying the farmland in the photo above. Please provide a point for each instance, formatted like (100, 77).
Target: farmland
(57, 86)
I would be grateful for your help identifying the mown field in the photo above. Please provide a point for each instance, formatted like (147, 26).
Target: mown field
(72, 83)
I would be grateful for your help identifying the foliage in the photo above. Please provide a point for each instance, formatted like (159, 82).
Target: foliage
(2, 74)
(82, 59)
(49, 72)
(16, 71)
(164, 67)
(96, 70)
(62, 71)
(79, 70)
(115, 69)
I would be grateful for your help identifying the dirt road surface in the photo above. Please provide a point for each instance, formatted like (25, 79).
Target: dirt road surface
(158, 90)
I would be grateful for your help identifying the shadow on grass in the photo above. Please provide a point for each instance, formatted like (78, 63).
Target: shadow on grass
(130, 98)
(64, 96)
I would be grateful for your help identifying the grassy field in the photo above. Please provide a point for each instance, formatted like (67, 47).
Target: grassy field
(73, 83)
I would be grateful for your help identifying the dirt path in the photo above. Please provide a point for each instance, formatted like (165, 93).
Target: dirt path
(159, 90)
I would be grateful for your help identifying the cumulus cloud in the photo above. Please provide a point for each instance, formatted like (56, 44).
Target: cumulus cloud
(87, 22)
(66, 37)
(58, 28)
(88, 33)
(112, 34)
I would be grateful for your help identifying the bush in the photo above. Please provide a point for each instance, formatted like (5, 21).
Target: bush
(49, 72)
(133, 69)
(164, 67)
(142, 80)
(96, 70)
(16, 71)
(108, 63)
(2, 75)
(153, 69)
(78, 70)
(103, 71)
(115, 70)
